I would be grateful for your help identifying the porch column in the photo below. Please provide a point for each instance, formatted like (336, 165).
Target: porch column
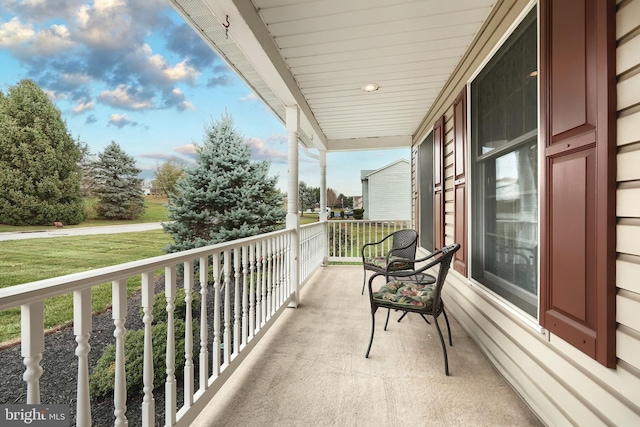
(293, 220)
(323, 185)
(323, 200)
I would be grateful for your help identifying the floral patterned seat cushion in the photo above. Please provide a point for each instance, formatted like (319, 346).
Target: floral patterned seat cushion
(411, 295)
(380, 262)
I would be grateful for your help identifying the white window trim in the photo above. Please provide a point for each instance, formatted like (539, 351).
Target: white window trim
(500, 301)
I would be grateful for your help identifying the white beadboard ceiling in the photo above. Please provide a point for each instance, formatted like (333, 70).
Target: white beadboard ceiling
(317, 54)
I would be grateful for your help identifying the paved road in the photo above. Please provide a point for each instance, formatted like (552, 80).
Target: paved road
(62, 232)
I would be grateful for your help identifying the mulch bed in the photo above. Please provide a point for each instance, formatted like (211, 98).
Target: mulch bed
(59, 362)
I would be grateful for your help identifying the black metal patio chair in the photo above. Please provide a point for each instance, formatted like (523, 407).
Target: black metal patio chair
(401, 292)
(403, 247)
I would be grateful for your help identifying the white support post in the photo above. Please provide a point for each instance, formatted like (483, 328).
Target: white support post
(119, 316)
(323, 201)
(32, 328)
(293, 220)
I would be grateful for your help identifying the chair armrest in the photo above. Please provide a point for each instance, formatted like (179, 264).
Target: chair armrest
(373, 244)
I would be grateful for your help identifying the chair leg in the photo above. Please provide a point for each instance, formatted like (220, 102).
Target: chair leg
(402, 317)
(387, 321)
(446, 319)
(425, 319)
(373, 329)
(444, 347)
(364, 282)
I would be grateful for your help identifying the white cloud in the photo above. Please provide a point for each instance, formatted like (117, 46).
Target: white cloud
(83, 106)
(249, 97)
(189, 149)
(54, 96)
(261, 150)
(14, 33)
(120, 120)
(124, 98)
(25, 41)
(157, 64)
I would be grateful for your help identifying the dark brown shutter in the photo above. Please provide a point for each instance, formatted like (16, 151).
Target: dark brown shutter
(460, 181)
(438, 183)
(577, 83)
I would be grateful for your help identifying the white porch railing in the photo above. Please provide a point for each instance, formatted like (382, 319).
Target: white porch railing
(247, 281)
(346, 237)
(312, 249)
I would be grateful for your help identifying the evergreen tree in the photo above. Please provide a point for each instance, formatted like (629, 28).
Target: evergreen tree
(117, 185)
(307, 197)
(224, 196)
(39, 176)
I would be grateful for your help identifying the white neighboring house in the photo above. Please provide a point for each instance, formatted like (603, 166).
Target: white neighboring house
(386, 192)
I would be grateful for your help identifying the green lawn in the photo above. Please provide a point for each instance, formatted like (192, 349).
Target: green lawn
(23, 261)
(156, 211)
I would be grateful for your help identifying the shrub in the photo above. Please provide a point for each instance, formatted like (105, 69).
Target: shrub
(102, 381)
(358, 213)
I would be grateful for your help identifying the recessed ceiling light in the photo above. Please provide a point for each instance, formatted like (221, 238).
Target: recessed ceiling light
(370, 87)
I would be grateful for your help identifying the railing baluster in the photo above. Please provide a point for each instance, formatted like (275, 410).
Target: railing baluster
(215, 351)
(32, 329)
(277, 284)
(245, 296)
(148, 402)
(119, 316)
(82, 330)
(269, 280)
(204, 331)
(236, 301)
(170, 382)
(227, 308)
(189, 387)
(252, 290)
(260, 283)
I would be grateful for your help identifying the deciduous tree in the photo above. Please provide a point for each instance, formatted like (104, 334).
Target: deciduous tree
(166, 177)
(332, 198)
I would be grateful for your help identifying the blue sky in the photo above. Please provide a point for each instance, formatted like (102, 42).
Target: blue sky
(131, 71)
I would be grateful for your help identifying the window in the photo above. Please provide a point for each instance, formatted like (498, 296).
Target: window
(504, 164)
(425, 159)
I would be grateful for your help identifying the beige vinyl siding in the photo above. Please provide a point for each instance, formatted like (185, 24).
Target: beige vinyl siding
(390, 192)
(561, 384)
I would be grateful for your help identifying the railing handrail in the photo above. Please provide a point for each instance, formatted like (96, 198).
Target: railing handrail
(17, 295)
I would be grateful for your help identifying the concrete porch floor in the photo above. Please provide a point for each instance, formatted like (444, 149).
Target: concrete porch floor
(310, 370)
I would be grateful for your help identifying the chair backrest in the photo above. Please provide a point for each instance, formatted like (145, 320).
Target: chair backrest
(444, 259)
(404, 243)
